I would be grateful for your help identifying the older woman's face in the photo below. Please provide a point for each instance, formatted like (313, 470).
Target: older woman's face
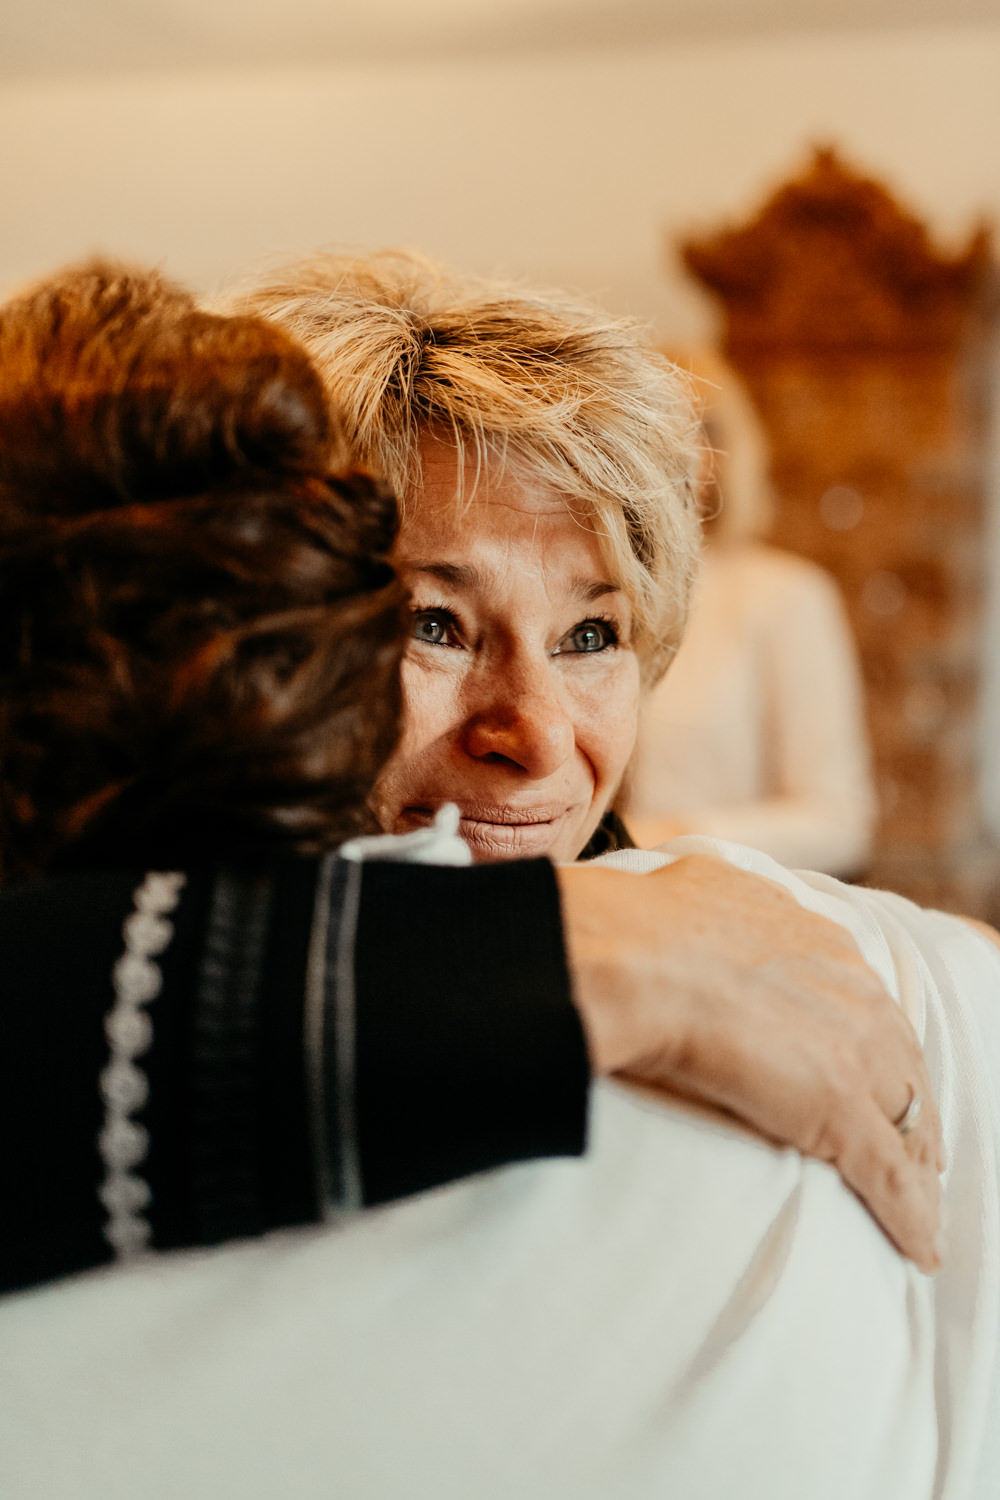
(520, 684)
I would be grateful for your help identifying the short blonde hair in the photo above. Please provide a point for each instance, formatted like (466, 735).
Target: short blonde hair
(528, 380)
(737, 446)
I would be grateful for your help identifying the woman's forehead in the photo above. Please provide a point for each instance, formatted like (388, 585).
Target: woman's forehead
(456, 480)
(465, 510)
(508, 515)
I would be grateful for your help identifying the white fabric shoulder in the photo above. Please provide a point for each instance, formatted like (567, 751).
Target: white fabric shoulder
(946, 977)
(687, 1311)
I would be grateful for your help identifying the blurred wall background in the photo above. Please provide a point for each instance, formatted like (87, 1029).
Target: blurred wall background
(565, 164)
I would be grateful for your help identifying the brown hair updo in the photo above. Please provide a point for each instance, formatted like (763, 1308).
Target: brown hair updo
(200, 632)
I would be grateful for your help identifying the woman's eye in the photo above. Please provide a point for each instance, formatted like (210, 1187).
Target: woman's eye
(590, 636)
(432, 626)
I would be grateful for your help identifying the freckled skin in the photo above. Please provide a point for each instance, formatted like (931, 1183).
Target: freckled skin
(521, 689)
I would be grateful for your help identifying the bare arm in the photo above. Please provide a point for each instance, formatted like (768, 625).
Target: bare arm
(715, 984)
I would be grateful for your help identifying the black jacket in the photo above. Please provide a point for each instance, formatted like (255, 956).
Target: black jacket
(447, 1043)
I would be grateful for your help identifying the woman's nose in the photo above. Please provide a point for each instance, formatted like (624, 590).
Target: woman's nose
(521, 717)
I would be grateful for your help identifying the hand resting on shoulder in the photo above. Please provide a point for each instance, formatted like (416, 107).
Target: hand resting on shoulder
(716, 984)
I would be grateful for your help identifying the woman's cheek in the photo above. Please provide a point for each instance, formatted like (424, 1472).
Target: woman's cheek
(430, 699)
(425, 714)
(607, 720)
(625, 726)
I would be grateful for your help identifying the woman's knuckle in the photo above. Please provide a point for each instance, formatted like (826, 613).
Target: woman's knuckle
(895, 1177)
(850, 1079)
(827, 1143)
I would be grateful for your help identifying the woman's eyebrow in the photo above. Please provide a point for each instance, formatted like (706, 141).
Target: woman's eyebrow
(467, 577)
(455, 575)
(590, 590)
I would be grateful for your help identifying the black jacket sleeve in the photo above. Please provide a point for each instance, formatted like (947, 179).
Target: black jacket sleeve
(470, 1052)
(447, 1043)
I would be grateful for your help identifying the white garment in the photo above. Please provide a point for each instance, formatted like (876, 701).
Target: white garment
(687, 1312)
(757, 732)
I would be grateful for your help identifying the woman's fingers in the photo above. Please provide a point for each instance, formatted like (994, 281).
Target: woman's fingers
(917, 1121)
(847, 1116)
(823, 1066)
(714, 983)
(902, 1191)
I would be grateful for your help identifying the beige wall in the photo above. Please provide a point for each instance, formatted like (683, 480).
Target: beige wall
(565, 169)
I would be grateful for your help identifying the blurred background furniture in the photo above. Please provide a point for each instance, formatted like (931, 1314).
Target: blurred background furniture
(868, 353)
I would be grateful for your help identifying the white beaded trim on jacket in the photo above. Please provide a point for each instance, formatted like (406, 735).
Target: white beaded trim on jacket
(124, 1087)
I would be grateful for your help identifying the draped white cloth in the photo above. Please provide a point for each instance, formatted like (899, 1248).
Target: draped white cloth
(688, 1312)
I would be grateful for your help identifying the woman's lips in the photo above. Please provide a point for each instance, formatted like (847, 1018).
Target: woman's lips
(501, 832)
